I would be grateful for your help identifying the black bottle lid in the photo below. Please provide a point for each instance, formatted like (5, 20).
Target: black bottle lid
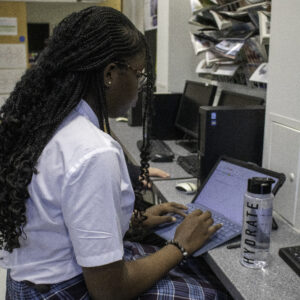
(260, 185)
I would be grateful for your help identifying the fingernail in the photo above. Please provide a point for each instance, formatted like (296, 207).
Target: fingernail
(173, 219)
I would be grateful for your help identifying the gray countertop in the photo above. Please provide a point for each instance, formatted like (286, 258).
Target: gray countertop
(127, 136)
(277, 281)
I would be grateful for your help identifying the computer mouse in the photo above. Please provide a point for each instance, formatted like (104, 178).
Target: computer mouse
(186, 187)
(122, 119)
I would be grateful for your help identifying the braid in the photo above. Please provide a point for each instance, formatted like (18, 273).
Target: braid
(146, 122)
(81, 46)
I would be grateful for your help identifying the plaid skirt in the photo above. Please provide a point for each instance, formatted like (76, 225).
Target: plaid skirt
(193, 280)
(72, 289)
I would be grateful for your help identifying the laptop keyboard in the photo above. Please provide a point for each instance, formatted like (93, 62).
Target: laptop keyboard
(226, 232)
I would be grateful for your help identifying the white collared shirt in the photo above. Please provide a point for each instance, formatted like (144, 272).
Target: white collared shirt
(79, 207)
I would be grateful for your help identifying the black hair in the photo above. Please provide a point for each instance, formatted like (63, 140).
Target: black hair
(72, 62)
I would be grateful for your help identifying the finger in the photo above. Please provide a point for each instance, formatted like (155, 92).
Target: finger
(155, 172)
(197, 212)
(147, 184)
(178, 208)
(209, 222)
(172, 207)
(179, 212)
(212, 229)
(164, 219)
(206, 215)
(178, 205)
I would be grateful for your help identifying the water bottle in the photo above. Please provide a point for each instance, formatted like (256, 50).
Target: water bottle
(257, 223)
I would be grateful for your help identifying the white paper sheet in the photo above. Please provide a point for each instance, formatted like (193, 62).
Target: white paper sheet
(260, 74)
(150, 14)
(8, 26)
(225, 70)
(13, 56)
(9, 78)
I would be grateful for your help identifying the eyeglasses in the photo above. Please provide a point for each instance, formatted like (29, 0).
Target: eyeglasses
(140, 75)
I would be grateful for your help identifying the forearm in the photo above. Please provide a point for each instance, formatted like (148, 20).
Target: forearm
(143, 273)
(128, 279)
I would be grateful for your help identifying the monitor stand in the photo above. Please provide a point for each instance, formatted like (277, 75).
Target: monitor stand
(189, 145)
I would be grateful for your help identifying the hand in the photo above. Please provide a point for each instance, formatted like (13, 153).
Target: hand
(195, 230)
(157, 214)
(155, 172)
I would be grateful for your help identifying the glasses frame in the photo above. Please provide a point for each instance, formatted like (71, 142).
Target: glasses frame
(140, 75)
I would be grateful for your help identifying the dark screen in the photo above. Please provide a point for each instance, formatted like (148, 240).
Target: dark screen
(195, 94)
(234, 99)
(38, 33)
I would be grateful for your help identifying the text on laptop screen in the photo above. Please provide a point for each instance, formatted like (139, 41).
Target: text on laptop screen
(224, 191)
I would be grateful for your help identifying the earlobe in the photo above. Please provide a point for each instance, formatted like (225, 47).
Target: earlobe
(108, 74)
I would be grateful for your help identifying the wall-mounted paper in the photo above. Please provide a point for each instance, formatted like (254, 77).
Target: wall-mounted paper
(150, 14)
(13, 56)
(8, 26)
(9, 78)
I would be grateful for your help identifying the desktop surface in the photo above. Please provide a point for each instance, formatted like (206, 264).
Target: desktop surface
(128, 136)
(278, 281)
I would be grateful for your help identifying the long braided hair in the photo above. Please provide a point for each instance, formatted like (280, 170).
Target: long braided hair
(72, 62)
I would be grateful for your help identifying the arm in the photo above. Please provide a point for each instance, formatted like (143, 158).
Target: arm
(128, 279)
(134, 172)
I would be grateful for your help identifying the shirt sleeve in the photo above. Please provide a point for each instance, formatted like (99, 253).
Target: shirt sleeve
(91, 197)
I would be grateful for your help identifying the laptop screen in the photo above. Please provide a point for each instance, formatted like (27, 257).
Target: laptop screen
(224, 190)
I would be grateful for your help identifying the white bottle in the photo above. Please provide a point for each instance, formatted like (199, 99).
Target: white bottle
(257, 223)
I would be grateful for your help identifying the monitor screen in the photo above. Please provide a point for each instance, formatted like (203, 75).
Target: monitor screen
(195, 94)
(228, 98)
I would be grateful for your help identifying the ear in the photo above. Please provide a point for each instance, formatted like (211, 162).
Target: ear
(109, 74)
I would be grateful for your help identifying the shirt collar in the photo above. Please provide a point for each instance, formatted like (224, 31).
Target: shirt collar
(84, 109)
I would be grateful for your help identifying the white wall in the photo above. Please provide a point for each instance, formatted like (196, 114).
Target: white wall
(282, 131)
(51, 13)
(176, 61)
(134, 10)
(2, 283)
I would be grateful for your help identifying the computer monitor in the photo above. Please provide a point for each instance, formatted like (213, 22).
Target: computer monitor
(229, 98)
(195, 94)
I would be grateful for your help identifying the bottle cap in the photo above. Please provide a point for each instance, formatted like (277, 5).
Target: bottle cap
(260, 185)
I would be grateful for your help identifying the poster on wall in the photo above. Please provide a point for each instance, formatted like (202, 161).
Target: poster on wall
(8, 79)
(150, 14)
(13, 56)
(8, 26)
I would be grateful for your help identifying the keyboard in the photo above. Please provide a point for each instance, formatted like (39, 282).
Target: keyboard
(190, 163)
(159, 151)
(291, 255)
(228, 231)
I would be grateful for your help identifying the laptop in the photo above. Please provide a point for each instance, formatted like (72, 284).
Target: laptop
(222, 193)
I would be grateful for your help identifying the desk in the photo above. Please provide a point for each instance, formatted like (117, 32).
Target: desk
(277, 282)
(127, 136)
